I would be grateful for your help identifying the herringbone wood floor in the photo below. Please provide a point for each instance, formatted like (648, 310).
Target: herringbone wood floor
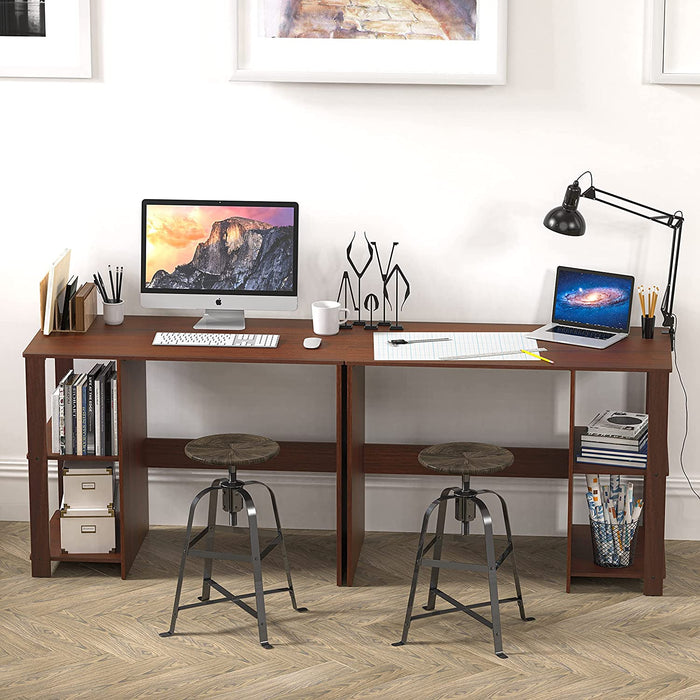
(85, 633)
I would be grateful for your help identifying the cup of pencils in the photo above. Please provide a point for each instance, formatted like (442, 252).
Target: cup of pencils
(113, 303)
(648, 301)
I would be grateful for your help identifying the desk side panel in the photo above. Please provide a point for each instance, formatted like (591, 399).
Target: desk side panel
(655, 483)
(133, 473)
(38, 466)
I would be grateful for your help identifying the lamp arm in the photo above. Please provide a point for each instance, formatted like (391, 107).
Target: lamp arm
(673, 221)
(669, 293)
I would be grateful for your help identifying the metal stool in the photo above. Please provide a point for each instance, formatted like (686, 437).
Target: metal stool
(232, 450)
(467, 459)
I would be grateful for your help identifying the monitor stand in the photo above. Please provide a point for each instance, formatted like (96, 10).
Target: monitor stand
(221, 320)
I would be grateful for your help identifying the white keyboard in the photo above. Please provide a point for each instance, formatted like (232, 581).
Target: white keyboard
(218, 340)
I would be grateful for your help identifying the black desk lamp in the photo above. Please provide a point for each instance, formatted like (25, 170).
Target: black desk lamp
(567, 219)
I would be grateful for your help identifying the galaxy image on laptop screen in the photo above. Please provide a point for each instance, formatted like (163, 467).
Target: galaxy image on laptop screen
(593, 298)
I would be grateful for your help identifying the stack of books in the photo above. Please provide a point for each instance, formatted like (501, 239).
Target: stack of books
(84, 412)
(617, 439)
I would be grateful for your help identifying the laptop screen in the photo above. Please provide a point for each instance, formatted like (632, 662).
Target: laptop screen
(601, 300)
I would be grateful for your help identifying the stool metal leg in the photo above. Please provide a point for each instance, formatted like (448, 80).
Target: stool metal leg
(185, 550)
(516, 578)
(416, 569)
(257, 568)
(493, 583)
(437, 549)
(283, 548)
(211, 529)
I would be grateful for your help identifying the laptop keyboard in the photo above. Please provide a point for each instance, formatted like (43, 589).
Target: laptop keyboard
(581, 332)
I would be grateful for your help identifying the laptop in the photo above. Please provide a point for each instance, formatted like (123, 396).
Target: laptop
(591, 309)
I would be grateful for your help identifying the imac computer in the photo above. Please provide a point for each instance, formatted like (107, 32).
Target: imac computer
(221, 257)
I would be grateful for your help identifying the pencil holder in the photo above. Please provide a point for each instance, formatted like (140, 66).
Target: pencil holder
(648, 323)
(114, 313)
(613, 545)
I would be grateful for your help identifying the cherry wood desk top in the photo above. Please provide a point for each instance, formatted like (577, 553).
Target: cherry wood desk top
(133, 340)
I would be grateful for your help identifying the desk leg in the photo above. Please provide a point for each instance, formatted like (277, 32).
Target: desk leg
(38, 466)
(655, 483)
(350, 470)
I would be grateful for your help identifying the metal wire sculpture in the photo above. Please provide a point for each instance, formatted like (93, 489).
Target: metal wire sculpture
(359, 273)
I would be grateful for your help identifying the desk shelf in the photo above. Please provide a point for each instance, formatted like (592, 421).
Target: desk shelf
(582, 556)
(58, 555)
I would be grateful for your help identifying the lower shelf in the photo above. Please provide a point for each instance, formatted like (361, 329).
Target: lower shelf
(582, 556)
(58, 555)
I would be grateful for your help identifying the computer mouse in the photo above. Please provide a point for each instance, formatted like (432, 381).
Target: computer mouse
(312, 343)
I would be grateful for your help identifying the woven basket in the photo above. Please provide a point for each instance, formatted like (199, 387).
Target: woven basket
(613, 545)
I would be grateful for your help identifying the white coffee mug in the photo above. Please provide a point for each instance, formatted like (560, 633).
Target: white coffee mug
(326, 317)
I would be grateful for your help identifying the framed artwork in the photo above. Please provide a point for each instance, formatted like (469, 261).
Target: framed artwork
(673, 48)
(460, 42)
(45, 39)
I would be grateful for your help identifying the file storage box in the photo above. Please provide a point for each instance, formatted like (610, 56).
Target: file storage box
(88, 486)
(88, 530)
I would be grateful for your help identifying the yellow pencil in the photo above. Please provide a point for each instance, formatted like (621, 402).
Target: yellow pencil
(537, 357)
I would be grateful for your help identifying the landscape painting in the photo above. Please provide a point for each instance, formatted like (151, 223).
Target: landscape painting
(371, 19)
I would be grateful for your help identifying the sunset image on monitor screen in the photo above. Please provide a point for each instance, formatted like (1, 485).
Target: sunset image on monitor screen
(219, 248)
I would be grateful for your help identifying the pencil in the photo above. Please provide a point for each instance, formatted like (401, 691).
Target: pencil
(641, 299)
(654, 297)
(111, 283)
(537, 357)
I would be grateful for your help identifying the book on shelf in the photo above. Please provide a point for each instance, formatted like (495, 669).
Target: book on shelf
(79, 414)
(611, 462)
(620, 424)
(100, 411)
(613, 443)
(91, 408)
(115, 414)
(109, 441)
(61, 417)
(634, 456)
(55, 424)
(84, 412)
(69, 410)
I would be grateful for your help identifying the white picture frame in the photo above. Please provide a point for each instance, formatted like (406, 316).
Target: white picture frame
(673, 50)
(481, 61)
(64, 52)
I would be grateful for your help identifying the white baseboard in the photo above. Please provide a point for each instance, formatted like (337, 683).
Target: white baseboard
(393, 503)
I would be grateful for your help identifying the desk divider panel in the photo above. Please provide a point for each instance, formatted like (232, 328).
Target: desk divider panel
(133, 473)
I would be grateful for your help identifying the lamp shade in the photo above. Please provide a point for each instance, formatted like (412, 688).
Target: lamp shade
(566, 219)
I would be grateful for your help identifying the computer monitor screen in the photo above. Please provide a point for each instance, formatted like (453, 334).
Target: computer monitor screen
(225, 257)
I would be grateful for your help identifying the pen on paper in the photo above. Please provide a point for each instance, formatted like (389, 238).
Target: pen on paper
(537, 357)
(403, 341)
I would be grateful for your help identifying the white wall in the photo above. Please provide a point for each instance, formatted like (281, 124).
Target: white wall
(461, 176)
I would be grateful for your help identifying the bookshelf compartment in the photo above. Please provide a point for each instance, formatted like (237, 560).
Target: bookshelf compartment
(582, 556)
(58, 555)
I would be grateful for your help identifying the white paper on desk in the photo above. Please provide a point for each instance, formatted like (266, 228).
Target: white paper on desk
(459, 344)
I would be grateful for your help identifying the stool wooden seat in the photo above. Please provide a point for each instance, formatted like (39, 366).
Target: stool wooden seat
(472, 458)
(465, 459)
(232, 450)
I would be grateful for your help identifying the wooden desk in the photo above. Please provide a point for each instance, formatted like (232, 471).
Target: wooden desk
(348, 456)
